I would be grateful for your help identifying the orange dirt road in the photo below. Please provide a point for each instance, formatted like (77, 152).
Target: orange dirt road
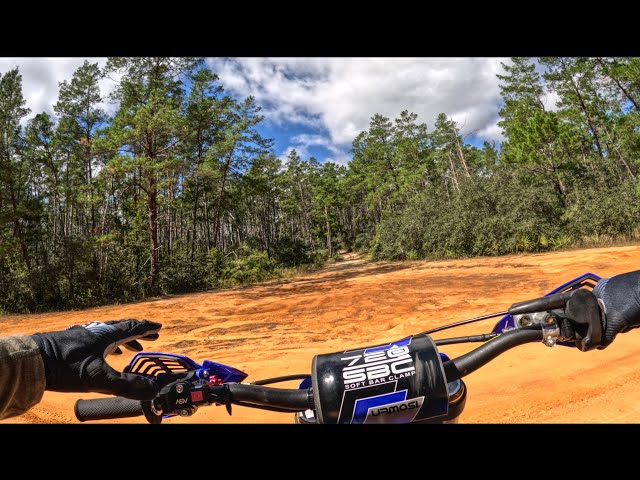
(276, 328)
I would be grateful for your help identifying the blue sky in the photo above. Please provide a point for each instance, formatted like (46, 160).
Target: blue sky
(318, 105)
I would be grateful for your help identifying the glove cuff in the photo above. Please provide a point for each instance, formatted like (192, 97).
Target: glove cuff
(46, 349)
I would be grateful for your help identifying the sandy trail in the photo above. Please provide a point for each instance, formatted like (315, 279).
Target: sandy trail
(276, 328)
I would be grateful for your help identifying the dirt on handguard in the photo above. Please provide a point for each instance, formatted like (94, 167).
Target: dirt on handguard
(276, 328)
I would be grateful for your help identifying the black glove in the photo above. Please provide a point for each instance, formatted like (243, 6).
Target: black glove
(74, 358)
(619, 297)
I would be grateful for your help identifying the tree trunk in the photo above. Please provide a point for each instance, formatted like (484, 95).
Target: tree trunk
(614, 145)
(207, 230)
(306, 224)
(461, 155)
(559, 186)
(17, 231)
(590, 123)
(194, 218)
(218, 211)
(621, 87)
(627, 94)
(326, 216)
(153, 230)
(454, 176)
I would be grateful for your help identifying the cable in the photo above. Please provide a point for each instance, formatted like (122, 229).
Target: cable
(470, 362)
(468, 339)
(464, 322)
(266, 407)
(285, 378)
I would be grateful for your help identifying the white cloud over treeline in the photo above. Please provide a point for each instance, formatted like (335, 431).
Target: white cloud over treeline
(339, 95)
(333, 98)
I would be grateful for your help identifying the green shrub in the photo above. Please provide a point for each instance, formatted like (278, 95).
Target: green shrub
(491, 215)
(250, 266)
(524, 244)
(290, 252)
(362, 242)
(412, 255)
(543, 242)
(180, 274)
(603, 209)
(319, 257)
(561, 241)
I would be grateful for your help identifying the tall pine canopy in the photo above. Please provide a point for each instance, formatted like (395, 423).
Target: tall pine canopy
(178, 191)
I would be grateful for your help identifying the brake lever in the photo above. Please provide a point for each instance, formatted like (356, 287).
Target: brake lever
(583, 320)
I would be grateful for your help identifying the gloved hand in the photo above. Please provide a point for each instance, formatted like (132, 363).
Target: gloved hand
(619, 297)
(74, 358)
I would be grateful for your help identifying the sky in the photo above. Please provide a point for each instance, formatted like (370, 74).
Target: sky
(318, 105)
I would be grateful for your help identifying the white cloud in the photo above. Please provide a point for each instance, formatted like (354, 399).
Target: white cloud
(340, 95)
(334, 97)
(301, 150)
(307, 140)
(40, 78)
(341, 159)
(491, 133)
(301, 146)
(551, 101)
(303, 141)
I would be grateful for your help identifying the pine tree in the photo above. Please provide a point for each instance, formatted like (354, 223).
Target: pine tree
(14, 173)
(146, 130)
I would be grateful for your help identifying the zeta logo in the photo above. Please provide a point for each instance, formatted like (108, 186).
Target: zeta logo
(387, 408)
(375, 365)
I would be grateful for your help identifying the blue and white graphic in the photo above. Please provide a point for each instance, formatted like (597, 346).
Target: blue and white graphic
(388, 408)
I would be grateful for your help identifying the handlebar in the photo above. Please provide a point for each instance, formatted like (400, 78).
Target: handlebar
(286, 400)
(256, 396)
(476, 358)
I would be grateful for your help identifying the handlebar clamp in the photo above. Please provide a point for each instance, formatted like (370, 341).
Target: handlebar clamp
(550, 331)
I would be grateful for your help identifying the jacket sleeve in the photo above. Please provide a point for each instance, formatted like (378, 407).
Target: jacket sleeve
(22, 378)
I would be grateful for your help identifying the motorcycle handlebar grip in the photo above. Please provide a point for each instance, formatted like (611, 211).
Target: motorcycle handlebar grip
(107, 408)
